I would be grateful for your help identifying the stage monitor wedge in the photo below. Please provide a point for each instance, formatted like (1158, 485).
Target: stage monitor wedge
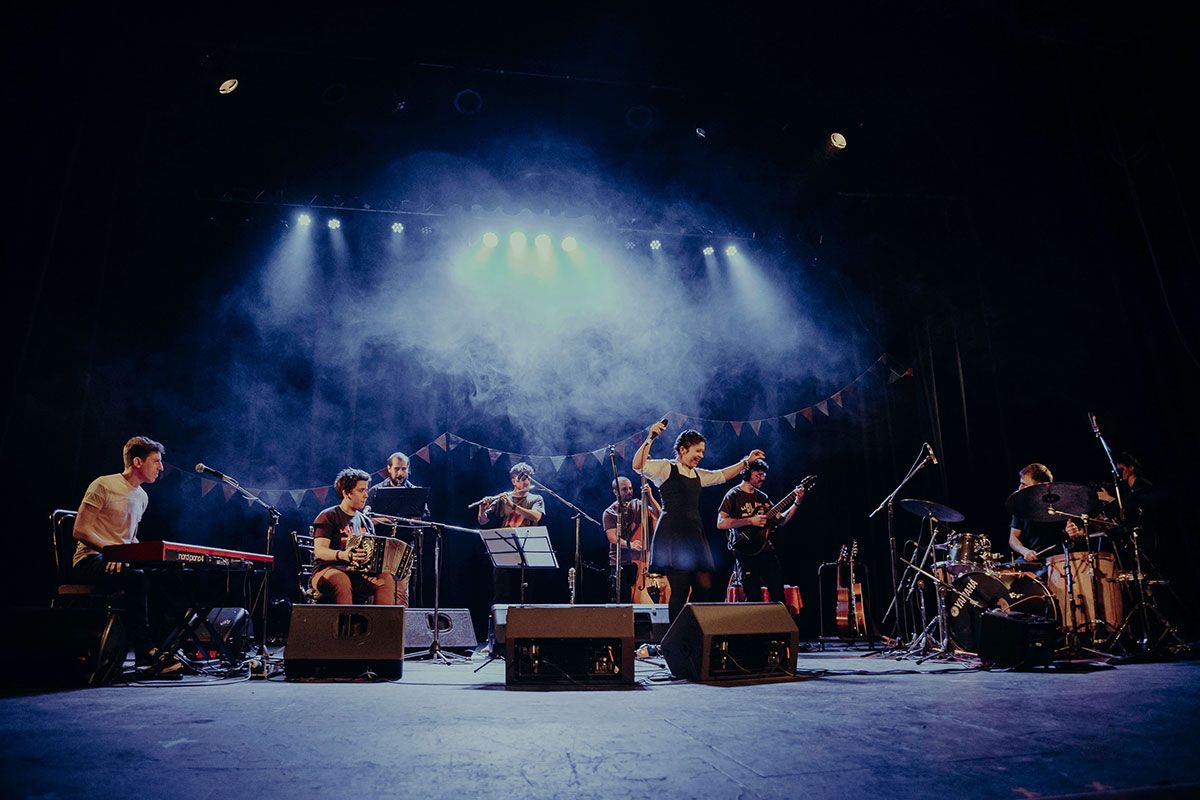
(732, 643)
(345, 643)
(569, 647)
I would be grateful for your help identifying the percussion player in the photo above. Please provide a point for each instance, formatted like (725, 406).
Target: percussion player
(1026, 537)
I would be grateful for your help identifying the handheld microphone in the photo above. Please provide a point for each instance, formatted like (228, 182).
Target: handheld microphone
(665, 422)
(206, 470)
(932, 455)
(1095, 425)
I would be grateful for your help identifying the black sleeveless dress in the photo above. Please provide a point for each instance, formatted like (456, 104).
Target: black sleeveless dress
(679, 541)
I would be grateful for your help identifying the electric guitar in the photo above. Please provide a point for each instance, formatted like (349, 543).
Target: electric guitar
(750, 540)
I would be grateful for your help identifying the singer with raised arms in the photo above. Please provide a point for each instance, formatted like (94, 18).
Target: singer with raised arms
(679, 548)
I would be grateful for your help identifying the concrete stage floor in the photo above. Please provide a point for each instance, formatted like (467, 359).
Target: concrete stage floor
(852, 727)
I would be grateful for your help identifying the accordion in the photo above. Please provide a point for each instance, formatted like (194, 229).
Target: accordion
(384, 555)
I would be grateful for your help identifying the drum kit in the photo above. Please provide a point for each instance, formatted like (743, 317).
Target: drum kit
(1081, 589)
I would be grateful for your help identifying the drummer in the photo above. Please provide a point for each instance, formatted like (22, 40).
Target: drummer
(1029, 539)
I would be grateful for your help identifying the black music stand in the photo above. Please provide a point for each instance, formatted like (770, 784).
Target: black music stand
(408, 502)
(520, 548)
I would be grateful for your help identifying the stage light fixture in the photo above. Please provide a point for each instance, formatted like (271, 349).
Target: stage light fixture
(656, 245)
(397, 227)
(629, 245)
(426, 230)
(837, 140)
(569, 244)
(708, 251)
(731, 250)
(334, 224)
(490, 239)
(517, 239)
(304, 220)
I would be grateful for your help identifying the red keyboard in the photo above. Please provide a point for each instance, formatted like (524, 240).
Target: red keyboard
(174, 552)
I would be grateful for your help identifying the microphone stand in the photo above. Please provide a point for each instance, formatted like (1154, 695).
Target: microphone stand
(259, 669)
(612, 457)
(887, 503)
(579, 512)
(435, 652)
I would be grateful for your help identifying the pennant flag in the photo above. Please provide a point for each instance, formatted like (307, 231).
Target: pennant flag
(807, 413)
(621, 449)
(837, 398)
(580, 460)
(206, 486)
(737, 427)
(599, 454)
(297, 496)
(271, 496)
(791, 418)
(848, 391)
(381, 471)
(250, 501)
(557, 461)
(321, 492)
(441, 441)
(755, 425)
(453, 440)
(823, 407)
(423, 454)
(228, 490)
(493, 455)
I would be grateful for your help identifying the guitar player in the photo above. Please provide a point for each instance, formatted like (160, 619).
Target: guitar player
(745, 507)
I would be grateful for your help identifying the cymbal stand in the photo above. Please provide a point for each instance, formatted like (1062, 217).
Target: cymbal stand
(946, 648)
(888, 503)
(1146, 604)
(924, 642)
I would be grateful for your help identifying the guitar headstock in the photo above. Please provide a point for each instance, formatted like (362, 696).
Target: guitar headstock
(853, 550)
(842, 554)
(808, 482)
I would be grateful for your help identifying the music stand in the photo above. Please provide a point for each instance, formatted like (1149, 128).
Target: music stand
(410, 502)
(520, 548)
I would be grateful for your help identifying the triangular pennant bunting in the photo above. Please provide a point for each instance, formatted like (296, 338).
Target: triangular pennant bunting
(621, 449)
(823, 407)
(453, 441)
(580, 460)
(755, 425)
(807, 413)
(737, 427)
(206, 486)
(494, 455)
(321, 492)
(297, 496)
(557, 461)
(599, 454)
(441, 441)
(423, 454)
(228, 490)
(837, 398)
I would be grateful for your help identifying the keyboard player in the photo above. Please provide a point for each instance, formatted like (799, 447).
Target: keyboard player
(109, 514)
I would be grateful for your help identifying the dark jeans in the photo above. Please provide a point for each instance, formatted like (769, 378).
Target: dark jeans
(762, 570)
(134, 584)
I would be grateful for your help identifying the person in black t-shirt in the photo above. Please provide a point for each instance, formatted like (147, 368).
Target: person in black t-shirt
(333, 558)
(397, 477)
(1027, 538)
(746, 504)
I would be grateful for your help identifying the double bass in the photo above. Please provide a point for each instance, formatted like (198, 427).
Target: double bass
(648, 587)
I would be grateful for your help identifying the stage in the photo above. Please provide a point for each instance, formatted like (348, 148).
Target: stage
(850, 726)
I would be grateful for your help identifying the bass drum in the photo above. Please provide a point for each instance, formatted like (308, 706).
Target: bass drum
(1004, 592)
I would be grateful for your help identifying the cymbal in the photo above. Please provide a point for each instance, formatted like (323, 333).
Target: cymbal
(928, 508)
(1034, 502)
